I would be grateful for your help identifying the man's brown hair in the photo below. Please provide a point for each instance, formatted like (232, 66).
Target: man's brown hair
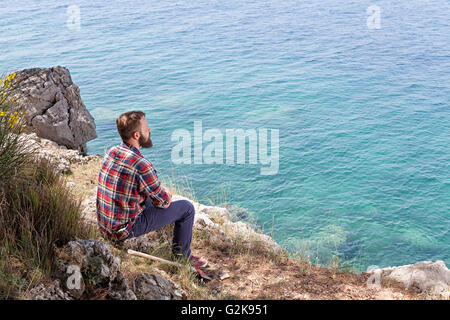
(129, 122)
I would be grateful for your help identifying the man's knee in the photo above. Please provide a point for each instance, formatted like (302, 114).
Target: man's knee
(190, 209)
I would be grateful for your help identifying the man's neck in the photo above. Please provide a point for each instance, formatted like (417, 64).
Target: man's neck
(134, 143)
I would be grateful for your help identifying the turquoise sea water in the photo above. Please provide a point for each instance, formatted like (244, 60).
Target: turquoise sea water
(363, 114)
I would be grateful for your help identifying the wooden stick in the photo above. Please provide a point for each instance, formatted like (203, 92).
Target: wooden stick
(144, 255)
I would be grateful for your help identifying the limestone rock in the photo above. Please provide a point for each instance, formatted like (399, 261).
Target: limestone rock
(53, 108)
(254, 240)
(201, 219)
(120, 289)
(214, 211)
(84, 264)
(61, 159)
(51, 292)
(144, 243)
(154, 287)
(425, 275)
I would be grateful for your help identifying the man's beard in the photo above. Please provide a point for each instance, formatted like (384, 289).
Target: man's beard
(145, 143)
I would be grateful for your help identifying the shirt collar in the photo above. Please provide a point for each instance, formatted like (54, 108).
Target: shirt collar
(132, 148)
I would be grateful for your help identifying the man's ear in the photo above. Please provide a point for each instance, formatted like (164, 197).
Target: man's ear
(136, 135)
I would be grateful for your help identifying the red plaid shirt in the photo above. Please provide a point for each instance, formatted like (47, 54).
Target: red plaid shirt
(124, 182)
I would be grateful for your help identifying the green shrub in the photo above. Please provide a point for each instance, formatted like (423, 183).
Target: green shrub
(37, 211)
(13, 153)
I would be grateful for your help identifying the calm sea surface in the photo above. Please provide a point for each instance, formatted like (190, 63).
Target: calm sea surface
(363, 114)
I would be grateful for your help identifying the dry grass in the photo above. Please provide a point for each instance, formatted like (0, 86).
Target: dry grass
(27, 235)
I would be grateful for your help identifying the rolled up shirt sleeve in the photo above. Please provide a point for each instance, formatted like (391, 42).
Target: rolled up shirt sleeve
(150, 186)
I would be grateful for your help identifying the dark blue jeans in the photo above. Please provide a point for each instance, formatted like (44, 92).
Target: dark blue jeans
(152, 218)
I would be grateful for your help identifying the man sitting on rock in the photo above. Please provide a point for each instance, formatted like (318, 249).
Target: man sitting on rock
(131, 201)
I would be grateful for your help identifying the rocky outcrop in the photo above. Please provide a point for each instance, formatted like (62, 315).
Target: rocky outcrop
(426, 276)
(86, 266)
(60, 157)
(87, 269)
(52, 106)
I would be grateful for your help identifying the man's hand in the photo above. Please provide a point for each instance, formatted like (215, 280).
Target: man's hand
(170, 198)
(168, 192)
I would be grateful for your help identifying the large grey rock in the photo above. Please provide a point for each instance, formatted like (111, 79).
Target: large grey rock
(427, 276)
(89, 264)
(119, 289)
(53, 108)
(154, 287)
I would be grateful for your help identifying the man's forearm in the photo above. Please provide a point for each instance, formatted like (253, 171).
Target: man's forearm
(169, 201)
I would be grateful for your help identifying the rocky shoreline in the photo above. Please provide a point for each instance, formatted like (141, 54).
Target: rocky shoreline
(246, 264)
